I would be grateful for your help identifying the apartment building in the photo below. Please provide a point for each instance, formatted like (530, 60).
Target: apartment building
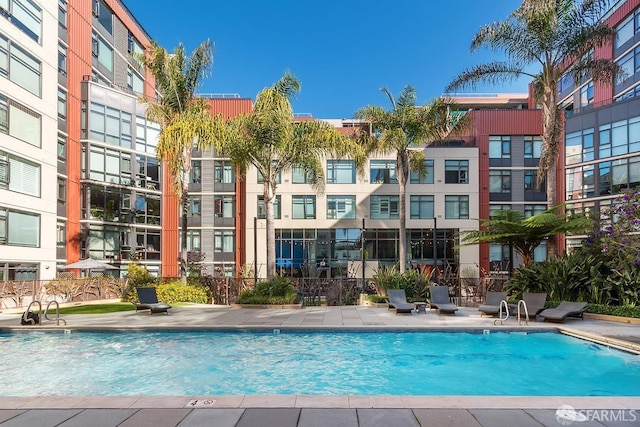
(602, 127)
(28, 123)
(78, 172)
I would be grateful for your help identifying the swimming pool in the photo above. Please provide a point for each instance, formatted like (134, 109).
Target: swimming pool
(328, 363)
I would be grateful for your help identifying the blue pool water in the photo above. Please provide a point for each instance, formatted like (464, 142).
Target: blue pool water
(363, 363)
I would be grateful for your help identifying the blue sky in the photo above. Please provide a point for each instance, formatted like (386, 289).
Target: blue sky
(341, 51)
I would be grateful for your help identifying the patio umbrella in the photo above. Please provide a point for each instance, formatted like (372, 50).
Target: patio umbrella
(89, 264)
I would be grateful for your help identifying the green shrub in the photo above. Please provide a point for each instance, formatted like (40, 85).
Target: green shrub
(626, 311)
(414, 282)
(174, 292)
(138, 277)
(277, 291)
(376, 298)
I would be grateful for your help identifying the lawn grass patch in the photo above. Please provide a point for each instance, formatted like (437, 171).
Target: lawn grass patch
(98, 308)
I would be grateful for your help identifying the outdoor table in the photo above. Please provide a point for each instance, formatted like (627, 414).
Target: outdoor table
(421, 306)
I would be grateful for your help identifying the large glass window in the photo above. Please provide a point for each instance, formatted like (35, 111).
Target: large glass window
(456, 171)
(62, 148)
(415, 178)
(303, 207)
(20, 175)
(193, 240)
(223, 172)
(225, 206)
(62, 13)
(262, 212)
(24, 14)
(341, 207)
(19, 228)
(532, 147)
(499, 147)
(223, 241)
(421, 207)
(499, 181)
(19, 66)
(531, 210)
(104, 15)
(383, 172)
(62, 104)
(341, 172)
(103, 52)
(384, 207)
(586, 94)
(299, 176)
(134, 81)
(625, 30)
(110, 125)
(20, 122)
(195, 205)
(196, 171)
(579, 146)
(456, 207)
(62, 59)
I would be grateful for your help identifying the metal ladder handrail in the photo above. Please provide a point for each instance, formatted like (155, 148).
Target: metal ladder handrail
(506, 313)
(58, 319)
(526, 312)
(26, 313)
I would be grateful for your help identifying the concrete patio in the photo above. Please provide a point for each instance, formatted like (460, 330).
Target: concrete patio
(310, 411)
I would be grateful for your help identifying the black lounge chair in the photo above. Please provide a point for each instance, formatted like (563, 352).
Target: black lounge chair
(564, 310)
(492, 300)
(440, 300)
(534, 302)
(398, 300)
(149, 301)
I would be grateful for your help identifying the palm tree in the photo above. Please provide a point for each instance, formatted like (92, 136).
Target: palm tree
(184, 117)
(545, 34)
(524, 235)
(401, 131)
(269, 140)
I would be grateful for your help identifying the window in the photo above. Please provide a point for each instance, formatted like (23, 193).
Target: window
(627, 29)
(23, 175)
(341, 207)
(456, 171)
(223, 172)
(456, 207)
(62, 13)
(193, 240)
(102, 51)
(224, 206)
(62, 104)
(195, 205)
(62, 148)
(414, 177)
(62, 59)
(499, 181)
(19, 228)
(61, 235)
(532, 147)
(25, 15)
(530, 180)
(586, 94)
(499, 147)
(384, 207)
(134, 46)
(62, 190)
(341, 172)
(531, 210)
(261, 178)
(223, 241)
(495, 209)
(303, 207)
(111, 125)
(383, 172)
(499, 253)
(134, 81)
(20, 122)
(421, 207)
(298, 176)
(196, 171)
(104, 15)
(20, 67)
(262, 212)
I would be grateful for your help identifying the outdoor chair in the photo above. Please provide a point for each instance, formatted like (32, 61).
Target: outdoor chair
(564, 310)
(398, 301)
(492, 300)
(149, 301)
(534, 302)
(441, 301)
